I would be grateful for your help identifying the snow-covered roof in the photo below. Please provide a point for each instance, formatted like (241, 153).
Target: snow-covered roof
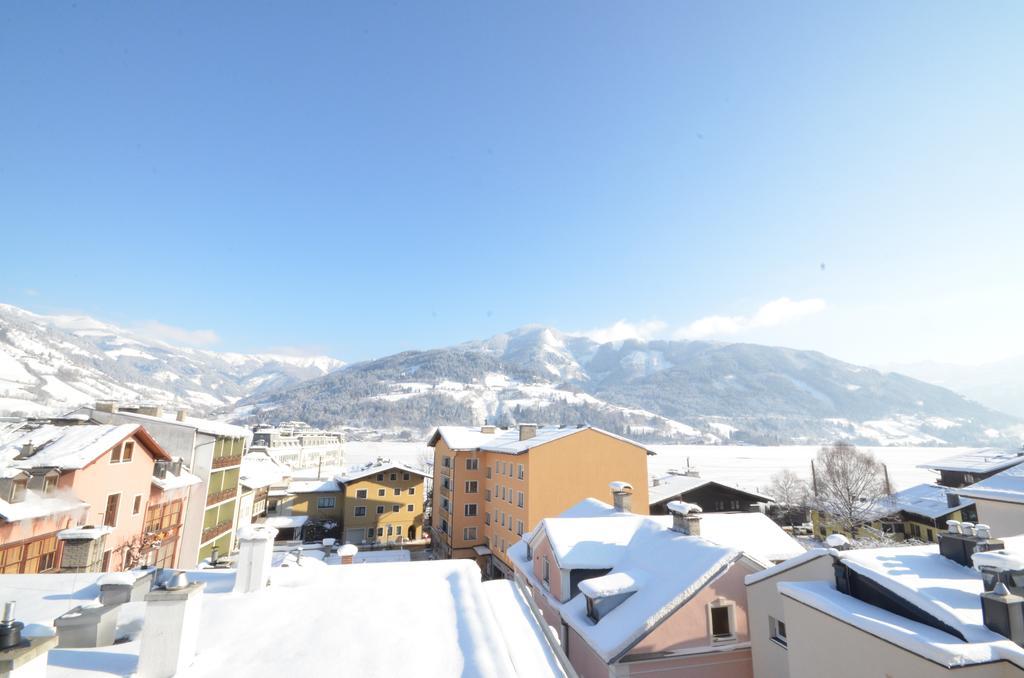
(673, 484)
(286, 522)
(1006, 486)
(923, 640)
(785, 565)
(260, 470)
(84, 532)
(985, 460)
(36, 505)
(66, 447)
(662, 568)
(175, 482)
(458, 624)
(304, 486)
(927, 500)
(379, 466)
(507, 440)
(210, 426)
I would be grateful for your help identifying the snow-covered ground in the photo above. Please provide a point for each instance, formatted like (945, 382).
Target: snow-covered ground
(746, 466)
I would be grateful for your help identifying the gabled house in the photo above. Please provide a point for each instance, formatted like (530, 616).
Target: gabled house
(971, 467)
(653, 595)
(999, 500)
(711, 495)
(382, 503)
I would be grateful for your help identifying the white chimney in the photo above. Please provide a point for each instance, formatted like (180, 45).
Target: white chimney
(255, 552)
(685, 518)
(348, 553)
(527, 431)
(170, 631)
(622, 495)
(182, 414)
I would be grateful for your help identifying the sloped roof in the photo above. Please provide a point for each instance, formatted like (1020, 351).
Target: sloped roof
(673, 485)
(986, 460)
(380, 466)
(507, 440)
(1006, 486)
(73, 447)
(927, 500)
(260, 470)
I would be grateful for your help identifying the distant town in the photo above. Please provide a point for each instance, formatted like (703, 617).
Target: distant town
(131, 536)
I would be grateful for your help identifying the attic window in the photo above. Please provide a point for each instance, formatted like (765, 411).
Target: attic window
(722, 621)
(129, 450)
(115, 455)
(49, 483)
(18, 488)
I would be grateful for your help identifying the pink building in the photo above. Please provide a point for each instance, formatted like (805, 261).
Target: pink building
(111, 480)
(650, 595)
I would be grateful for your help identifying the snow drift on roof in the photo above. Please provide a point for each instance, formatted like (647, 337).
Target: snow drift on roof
(66, 447)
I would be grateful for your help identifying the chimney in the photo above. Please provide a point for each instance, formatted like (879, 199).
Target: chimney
(486, 429)
(27, 450)
(348, 553)
(21, 657)
(685, 518)
(255, 551)
(170, 631)
(182, 414)
(622, 496)
(1003, 612)
(109, 406)
(151, 410)
(527, 431)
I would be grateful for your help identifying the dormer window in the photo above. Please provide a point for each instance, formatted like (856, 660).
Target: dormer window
(19, 486)
(606, 592)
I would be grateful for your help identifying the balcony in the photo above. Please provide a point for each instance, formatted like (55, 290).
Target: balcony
(221, 462)
(218, 497)
(216, 531)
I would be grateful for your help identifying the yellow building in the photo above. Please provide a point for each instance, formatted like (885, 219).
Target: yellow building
(307, 509)
(491, 485)
(382, 502)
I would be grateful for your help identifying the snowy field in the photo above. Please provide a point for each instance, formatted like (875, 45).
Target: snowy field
(746, 466)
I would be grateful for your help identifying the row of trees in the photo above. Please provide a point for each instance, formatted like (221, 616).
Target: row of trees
(846, 483)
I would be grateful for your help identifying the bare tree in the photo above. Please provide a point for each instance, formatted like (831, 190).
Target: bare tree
(849, 485)
(791, 495)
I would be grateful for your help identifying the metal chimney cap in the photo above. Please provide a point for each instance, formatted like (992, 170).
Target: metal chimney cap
(177, 582)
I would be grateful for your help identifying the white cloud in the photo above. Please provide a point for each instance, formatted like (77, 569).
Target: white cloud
(623, 330)
(178, 336)
(773, 314)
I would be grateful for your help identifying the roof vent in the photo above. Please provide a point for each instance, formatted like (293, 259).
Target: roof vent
(622, 495)
(109, 406)
(182, 414)
(685, 517)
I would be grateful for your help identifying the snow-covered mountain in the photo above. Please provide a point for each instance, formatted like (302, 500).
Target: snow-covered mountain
(52, 363)
(681, 390)
(998, 384)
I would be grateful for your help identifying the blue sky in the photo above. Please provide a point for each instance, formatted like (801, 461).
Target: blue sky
(359, 179)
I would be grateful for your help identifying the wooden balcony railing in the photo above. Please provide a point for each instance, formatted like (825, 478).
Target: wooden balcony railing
(216, 531)
(221, 462)
(218, 497)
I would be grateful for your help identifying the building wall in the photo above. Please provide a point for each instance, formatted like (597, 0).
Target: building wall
(100, 479)
(821, 645)
(404, 522)
(689, 627)
(732, 664)
(764, 600)
(505, 507)
(711, 498)
(543, 551)
(15, 538)
(588, 664)
(1005, 519)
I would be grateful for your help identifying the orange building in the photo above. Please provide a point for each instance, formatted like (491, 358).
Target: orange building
(492, 485)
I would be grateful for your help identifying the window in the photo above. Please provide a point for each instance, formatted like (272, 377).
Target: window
(398, 491)
(128, 451)
(720, 618)
(115, 455)
(488, 471)
(380, 531)
(410, 507)
(520, 499)
(380, 476)
(325, 503)
(469, 533)
(137, 505)
(110, 514)
(359, 512)
(394, 476)
(444, 526)
(446, 462)
(360, 494)
(446, 483)
(519, 528)
(390, 530)
(501, 514)
(49, 484)
(380, 510)
(487, 495)
(472, 464)
(412, 490)
(471, 487)
(522, 471)
(470, 510)
(395, 508)
(487, 518)
(380, 492)
(930, 538)
(777, 631)
(546, 570)
(445, 506)
(405, 476)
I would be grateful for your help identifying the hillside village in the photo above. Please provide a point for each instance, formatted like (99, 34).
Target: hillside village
(135, 541)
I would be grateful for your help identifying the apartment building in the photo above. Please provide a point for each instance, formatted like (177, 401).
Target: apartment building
(299, 445)
(212, 450)
(82, 496)
(951, 608)
(382, 502)
(493, 485)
